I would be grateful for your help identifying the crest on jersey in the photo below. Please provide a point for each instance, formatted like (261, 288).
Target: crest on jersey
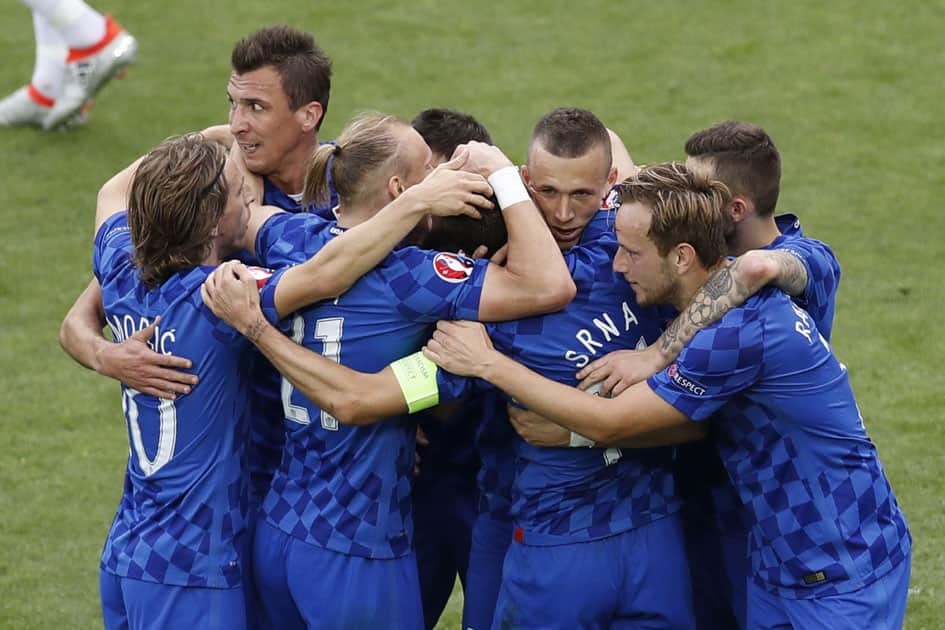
(452, 267)
(261, 275)
(684, 383)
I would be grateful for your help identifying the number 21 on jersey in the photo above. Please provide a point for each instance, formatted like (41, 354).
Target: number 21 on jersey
(328, 331)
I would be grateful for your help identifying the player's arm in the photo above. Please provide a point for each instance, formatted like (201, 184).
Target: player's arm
(350, 396)
(538, 430)
(620, 157)
(132, 362)
(535, 278)
(464, 348)
(447, 191)
(727, 288)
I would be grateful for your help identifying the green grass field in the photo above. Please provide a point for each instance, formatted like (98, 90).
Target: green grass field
(852, 93)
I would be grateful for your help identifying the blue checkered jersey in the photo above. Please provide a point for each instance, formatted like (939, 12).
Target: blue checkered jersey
(267, 435)
(823, 271)
(699, 469)
(823, 517)
(577, 494)
(347, 488)
(182, 513)
(563, 495)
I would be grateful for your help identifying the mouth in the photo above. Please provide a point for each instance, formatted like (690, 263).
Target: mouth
(247, 148)
(565, 236)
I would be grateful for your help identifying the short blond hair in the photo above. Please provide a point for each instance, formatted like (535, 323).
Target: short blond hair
(686, 208)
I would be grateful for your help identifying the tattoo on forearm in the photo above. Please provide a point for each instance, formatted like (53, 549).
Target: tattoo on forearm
(255, 330)
(792, 275)
(721, 292)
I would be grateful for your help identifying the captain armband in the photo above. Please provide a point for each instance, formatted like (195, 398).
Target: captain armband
(508, 187)
(416, 376)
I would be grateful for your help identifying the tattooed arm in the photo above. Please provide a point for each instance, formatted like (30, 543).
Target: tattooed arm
(727, 288)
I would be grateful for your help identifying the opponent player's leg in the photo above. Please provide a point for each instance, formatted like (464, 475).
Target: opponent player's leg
(338, 591)
(491, 538)
(98, 49)
(562, 586)
(31, 104)
(656, 590)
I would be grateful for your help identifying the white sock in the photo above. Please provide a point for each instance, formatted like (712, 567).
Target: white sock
(51, 51)
(79, 24)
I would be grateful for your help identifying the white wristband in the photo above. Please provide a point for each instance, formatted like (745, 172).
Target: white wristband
(578, 440)
(508, 187)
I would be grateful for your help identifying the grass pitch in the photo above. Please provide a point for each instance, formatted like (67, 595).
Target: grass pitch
(850, 91)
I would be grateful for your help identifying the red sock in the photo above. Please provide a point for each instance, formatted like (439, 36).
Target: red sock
(112, 29)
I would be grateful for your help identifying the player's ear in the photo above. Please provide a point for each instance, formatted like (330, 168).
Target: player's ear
(309, 115)
(739, 209)
(683, 257)
(395, 187)
(524, 171)
(612, 176)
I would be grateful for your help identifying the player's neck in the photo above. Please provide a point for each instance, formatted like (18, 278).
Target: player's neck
(753, 233)
(290, 178)
(691, 282)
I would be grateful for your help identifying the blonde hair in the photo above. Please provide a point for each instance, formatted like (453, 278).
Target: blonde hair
(365, 145)
(686, 208)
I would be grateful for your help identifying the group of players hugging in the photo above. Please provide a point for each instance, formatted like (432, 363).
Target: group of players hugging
(602, 395)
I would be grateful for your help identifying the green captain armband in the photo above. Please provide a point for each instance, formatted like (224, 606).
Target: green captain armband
(416, 376)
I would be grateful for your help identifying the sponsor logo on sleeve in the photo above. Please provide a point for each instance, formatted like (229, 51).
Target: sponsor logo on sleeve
(684, 383)
(452, 267)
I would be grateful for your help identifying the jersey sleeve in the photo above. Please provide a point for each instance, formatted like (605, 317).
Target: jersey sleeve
(428, 286)
(453, 387)
(267, 301)
(720, 362)
(285, 239)
(823, 278)
(113, 247)
(592, 262)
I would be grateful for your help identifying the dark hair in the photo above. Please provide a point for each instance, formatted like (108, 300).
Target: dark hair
(445, 129)
(361, 149)
(744, 157)
(462, 233)
(302, 66)
(686, 207)
(177, 197)
(570, 132)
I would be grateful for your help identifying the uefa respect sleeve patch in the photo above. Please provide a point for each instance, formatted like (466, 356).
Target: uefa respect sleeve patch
(683, 383)
(452, 267)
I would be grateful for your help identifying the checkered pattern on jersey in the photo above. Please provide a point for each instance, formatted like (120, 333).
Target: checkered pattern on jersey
(823, 517)
(181, 519)
(823, 271)
(576, 494)
(348, 492)
(267, 435)
(341, 487)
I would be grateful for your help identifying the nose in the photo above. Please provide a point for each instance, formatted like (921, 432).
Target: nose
(562, 210)
(237, 120)
(620, 262)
